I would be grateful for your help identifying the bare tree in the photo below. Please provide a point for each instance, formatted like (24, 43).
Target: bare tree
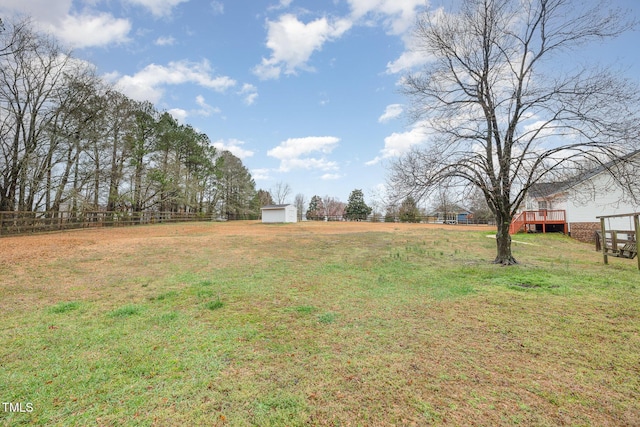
(120, 118)
(501, 116)
(75, 137)
(376, 201)
(13, 40)
(281, 192)
(32, 71)
(299, 201)
(70, 141)
(333, 208)
(445, 205)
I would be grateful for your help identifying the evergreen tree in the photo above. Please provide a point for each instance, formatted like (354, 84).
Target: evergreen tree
(391, 214)
(262, 198)
(315, 211)
(357, 209)
(237, 186)
(409, 210)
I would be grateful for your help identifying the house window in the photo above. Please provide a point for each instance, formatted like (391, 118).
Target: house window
(542, 204)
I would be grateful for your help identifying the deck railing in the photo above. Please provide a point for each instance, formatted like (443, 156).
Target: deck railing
(540, 217)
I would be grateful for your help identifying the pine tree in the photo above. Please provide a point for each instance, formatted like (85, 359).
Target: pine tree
(316, 209)
(409, 210)
(357, 209)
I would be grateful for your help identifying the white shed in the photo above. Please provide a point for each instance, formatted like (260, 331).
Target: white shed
(279, 213)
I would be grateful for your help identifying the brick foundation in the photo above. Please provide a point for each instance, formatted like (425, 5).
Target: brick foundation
(584, 231)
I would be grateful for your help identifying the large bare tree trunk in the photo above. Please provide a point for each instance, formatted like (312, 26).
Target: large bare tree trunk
(503, 240)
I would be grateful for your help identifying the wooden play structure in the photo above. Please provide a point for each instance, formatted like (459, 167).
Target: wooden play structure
(618, 243)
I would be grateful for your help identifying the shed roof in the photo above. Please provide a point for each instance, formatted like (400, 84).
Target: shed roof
(276, 206)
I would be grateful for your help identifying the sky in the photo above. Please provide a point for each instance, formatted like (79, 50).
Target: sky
(305, 92)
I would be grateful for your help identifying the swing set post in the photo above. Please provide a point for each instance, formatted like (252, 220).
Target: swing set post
(603, 236)
(636, 220)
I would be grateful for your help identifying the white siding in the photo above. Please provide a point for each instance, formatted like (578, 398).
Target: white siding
(598, 196)
(601, 195)
(273, 215)
(287, 213)
(291, 214)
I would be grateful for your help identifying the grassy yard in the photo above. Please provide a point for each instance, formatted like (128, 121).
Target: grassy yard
(314, 324)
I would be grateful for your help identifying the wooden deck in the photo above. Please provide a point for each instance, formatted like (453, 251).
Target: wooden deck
(528, 221)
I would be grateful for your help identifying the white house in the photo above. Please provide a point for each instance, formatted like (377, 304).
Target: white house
(279, 213)
(609, 189)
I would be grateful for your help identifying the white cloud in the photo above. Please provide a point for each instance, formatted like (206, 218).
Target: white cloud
(408, 60)
(158, 7)
(292, 42)
(397, 15)
(295, 147)
(217, 7)
(251, 98)
(165, 41)
(414, 55)
(92, 30)
(392, 111)
(250, 93)
(324, 98)
(330, 176)
(540, 127)
(76, 30)
(308, 163)
(261, 174)
(42, 11)
(283, 4)
(201, 102)
(179, 114)
(294, 153)
(148, 84)
(234, 146)
(397, 144)
(205, 109)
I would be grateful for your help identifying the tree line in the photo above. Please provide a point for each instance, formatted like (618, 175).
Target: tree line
(356, 209)
(69, 141)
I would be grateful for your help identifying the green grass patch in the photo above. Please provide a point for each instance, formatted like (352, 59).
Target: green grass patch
(327, 318)
(64, 307)
(214, 305)
(126, 311)
(165, 296)
(304, 309)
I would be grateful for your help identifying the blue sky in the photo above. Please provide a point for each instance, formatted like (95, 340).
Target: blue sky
(305, 92)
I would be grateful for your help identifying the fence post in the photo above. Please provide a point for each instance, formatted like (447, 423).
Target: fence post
(636, 221)
(1, 222)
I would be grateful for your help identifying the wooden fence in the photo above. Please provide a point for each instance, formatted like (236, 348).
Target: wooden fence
(14, 223)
